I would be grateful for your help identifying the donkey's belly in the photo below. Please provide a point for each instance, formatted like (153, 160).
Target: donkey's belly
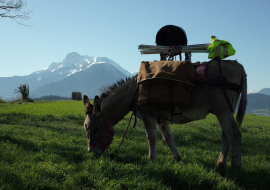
(182, 116)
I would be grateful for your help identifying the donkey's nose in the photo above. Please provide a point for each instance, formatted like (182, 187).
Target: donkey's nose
(97, 151)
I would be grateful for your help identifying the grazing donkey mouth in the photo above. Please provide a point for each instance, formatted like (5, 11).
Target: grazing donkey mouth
(96, 151)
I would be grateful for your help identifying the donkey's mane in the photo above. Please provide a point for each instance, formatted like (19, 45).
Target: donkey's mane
(109, 91)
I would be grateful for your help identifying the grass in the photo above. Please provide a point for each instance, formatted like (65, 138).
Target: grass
(43, 146)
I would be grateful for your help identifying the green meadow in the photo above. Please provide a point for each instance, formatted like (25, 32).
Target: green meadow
(43, 146)
(260, 112)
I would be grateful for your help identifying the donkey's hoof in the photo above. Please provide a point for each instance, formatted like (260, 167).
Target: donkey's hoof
(151, 159)
(221, 165)
(178, 159)
(235, 168)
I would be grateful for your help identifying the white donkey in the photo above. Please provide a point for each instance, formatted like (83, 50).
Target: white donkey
(114, 104)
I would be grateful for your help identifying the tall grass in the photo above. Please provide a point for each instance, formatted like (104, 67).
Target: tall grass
(43, 146)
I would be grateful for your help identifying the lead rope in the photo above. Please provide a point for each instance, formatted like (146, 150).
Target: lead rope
(134, 112)
(115, 153)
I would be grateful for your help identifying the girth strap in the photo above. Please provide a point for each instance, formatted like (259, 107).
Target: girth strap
(223, 83)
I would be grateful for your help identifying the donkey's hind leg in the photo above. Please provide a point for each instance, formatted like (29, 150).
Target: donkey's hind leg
(234, 136)
(225, 147)
(169, 139)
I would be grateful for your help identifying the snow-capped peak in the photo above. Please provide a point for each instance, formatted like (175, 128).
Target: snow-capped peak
(86, 60)
(252, 91)
(73, 63)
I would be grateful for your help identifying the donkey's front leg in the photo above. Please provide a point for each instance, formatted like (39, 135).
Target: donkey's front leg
(151, 135)
(167, 135)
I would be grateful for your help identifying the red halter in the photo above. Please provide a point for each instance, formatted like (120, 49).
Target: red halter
(98, 145)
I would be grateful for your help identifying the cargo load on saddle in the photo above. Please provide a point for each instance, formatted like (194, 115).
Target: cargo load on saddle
(165, 82)
(169, 82)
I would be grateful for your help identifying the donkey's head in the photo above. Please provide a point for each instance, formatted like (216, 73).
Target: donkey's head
(99, 133)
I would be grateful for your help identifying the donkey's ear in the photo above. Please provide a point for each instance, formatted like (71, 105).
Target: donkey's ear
(88, 105)
(97, 105)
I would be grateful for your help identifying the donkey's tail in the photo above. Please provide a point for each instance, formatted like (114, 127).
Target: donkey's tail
(243, 101)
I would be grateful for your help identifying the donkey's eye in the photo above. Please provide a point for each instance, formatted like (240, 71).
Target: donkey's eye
(95, 131)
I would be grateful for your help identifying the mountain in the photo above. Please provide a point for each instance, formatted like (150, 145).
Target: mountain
(73, 63)
(258, 104)
(252, 91)
(258, 101)
(265, 91)
(88, 81)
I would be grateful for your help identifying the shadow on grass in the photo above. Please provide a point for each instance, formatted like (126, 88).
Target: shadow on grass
(26, 145)
(247, 179)
(10, 179)
(243, 179)
(14, 118)
(192, 138)
(48, 122)
(127, 156)
(67, 153)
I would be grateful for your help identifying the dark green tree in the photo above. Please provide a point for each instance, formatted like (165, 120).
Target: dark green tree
(24, 91)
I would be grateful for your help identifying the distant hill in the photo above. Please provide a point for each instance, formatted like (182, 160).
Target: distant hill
(265, 91)
(258, 101)
(258, 104)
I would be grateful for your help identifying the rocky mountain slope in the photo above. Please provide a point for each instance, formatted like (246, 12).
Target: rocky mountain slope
(88, 81)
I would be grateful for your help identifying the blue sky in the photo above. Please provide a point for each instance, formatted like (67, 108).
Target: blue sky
(115, 28)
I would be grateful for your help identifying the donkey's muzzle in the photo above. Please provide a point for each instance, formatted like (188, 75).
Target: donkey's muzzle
(97, 151)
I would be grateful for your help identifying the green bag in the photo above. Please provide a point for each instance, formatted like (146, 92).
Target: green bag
(220, 49)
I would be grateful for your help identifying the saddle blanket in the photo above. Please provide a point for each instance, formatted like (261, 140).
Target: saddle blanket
(200, 71)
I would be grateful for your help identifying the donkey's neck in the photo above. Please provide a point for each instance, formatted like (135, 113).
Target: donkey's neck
(117, 105)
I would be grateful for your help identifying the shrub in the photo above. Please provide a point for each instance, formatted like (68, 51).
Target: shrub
(76, 96)
(51, 97)
(2, 101)
(30, 100)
